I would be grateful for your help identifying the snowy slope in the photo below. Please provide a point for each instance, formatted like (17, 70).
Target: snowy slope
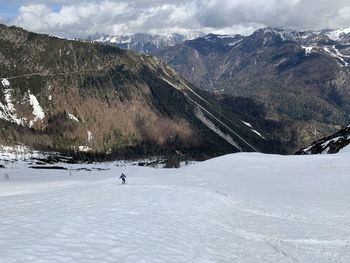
(236, 208)
(338, 34)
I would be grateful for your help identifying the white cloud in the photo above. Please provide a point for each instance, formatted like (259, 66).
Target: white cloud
(84, 17)
(72, 20)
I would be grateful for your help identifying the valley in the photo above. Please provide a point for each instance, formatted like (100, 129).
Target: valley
(296, 79)
(109, 102)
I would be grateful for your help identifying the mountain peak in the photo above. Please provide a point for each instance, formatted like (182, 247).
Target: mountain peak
(285, 34)
(145, 43)
(338, 34)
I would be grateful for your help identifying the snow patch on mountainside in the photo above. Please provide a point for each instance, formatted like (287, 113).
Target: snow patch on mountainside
(90, 136)
(7, 110)
(203, 109)
(84, 148)
(8, 100)
(326, 143)
(72, 117)
(5, 83)
(231, 44)
(38, 111)
(337, 34)
(334, 52)
(258, 133)
(329, 145)
(308, 49)
(247, 123)
(200, 115)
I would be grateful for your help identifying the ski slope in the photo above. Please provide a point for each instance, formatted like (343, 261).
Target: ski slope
(245, 207)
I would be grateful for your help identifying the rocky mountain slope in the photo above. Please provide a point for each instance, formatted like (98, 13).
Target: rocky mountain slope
(330, 144)
(144, 43)
(301, 79)
(57, 94)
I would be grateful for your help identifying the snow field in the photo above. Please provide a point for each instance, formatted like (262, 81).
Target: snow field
(236, 208)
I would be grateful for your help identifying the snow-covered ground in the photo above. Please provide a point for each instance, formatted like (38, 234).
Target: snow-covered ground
(236, 208)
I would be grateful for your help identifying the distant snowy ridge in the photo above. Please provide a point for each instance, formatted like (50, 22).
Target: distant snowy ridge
(338, 34)
(145, 43)
(287, 34)
(309, 40)
(324, 42)
(171, 39)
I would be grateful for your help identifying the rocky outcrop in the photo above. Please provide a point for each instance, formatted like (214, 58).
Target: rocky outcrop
(330, 144)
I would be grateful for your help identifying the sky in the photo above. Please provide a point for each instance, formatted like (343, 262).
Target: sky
(81, 18)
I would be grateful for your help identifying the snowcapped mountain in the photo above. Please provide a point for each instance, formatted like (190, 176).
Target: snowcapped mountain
(282, 33)
(145, 43)
(341, 34)
(300, 78)
(276, 36)
(331, 43)
(148, 43)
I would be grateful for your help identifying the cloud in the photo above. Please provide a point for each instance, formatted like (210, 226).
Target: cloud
(85, 17)
(72, 20)
(311, 14)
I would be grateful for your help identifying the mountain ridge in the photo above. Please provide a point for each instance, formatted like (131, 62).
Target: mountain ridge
(71, 95)
(149, 43)
(145, 43)
(301, 78)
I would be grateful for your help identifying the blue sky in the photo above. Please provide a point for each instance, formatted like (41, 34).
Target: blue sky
(8, 10)
(80, 18)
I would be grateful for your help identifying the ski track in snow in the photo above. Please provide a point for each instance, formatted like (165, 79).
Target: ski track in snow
(236, 208)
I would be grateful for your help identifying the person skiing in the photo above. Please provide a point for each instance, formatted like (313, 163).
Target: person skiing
(123, 177)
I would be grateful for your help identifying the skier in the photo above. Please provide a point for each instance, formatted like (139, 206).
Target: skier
(123, 177)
